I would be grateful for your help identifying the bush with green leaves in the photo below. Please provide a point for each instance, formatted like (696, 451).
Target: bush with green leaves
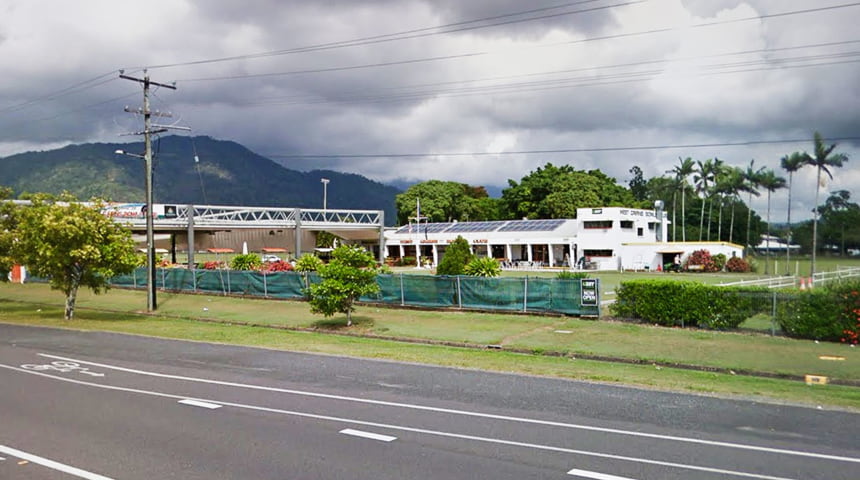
(719, 261)
(483, 267)
(350, 274)
(456, 257)
(246, 261)
(568, 275)
(308, 263)
(829, 313)
(688, 304)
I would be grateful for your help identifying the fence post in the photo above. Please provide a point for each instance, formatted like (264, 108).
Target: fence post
(459, 295)
(163, 279)
(229, 289)
(525, 293)
(402, 295)
(194, 279)
(773, 317)
(265, 286)
(134, 278)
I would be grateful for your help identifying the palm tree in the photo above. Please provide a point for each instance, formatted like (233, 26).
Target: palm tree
(751, 178)
(790, 163)
(824, 157)
(703, 178)
(726, 186)
(770, 182)
(683, 170)
(716, 170)
(734, 184)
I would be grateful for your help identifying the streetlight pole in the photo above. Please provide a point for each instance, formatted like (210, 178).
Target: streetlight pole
(325, 192)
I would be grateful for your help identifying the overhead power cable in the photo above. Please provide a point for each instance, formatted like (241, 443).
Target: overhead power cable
(484, 53)
(407, 34)
(75, 88)
(745, 143)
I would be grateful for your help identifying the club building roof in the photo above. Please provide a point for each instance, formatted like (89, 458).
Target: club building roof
(608, 238)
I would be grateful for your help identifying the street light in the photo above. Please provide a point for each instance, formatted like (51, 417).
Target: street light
(325, 191)
(151, 304)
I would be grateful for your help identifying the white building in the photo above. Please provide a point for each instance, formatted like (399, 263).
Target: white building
(608, 238)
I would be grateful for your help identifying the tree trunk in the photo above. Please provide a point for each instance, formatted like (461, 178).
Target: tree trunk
(71, 297)
(732, 222)
(702, 220)
(788, 234)
(683, 213)
(815, 223)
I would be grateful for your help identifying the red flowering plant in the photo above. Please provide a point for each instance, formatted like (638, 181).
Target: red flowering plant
(279, 266)
(852, 311)
(703, 258)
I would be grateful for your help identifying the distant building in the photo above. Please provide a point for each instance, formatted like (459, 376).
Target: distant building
(608, 238)
(772, 244)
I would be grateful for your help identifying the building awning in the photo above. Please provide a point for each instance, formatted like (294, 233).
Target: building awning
(273, 250)
(220, 250)
(669, 250)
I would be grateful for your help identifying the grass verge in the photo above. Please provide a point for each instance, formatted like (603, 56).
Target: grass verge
(179, 314)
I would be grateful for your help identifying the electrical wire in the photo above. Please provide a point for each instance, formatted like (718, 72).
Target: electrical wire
(745, 143)
(484, 53)
(75, 88)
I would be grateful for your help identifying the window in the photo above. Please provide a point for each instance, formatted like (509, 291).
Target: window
(652, 225)
(597, 253)
(597, 224)
(626, 223)
(639, 231)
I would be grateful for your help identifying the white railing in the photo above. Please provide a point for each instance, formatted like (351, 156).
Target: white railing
(769, 282)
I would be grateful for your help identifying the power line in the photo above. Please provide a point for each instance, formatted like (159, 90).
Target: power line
(558, 150)
(75, 88)
(484, 53)
(404, 35)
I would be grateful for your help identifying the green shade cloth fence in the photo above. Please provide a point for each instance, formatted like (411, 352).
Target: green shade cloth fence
(548, 295)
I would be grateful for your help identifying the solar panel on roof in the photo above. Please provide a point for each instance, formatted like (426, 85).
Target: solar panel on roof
(474, 227)
(425, 227)
(532, 225)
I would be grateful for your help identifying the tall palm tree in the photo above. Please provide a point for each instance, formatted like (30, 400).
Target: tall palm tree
(703, 178)
(790, 163)
(724, 189)
(734, 184)
(751, 179)
(771, 182)
(716, 170)
(682, 171)
(823, 158)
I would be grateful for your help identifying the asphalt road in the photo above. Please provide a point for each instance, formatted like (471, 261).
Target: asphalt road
(107, 406)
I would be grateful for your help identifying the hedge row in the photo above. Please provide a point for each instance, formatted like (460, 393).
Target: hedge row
(831, 313)
(689, 304)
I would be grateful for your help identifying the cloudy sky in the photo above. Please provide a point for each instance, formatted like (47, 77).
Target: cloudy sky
(391, 89)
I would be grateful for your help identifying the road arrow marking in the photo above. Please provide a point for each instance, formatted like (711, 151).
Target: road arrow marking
(595, 475)
(372, 436)
(197, 403)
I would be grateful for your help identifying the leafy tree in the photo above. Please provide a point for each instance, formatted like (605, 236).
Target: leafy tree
(704, 177)
(483, 267)
(821, 160)
(350, 274)
(840, 221)
(790, 163)
(638, 185)
(72, 245)
(8, 224)
(456, 257)
(246, 261)
(771, 182)
(440, 201)
(556, 192)
(730, 184)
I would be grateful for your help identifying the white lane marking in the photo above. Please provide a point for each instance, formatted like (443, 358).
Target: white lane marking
(51, 464)
(372, 436)
(64, 367)
(590, 428)
(197, 403)
(595, 475)
(385, 426)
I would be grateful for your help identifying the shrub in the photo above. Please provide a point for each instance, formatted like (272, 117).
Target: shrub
(308, 263)
(383, 269)
(483, 267)
(213, 265)
(279, 266)
(568, 275)
(350, 274)
(703, 258)
(456, 257)
(831, 313)
(719, 261)
(405, 261)
(688, 304)
(246, 261)
(737, 265)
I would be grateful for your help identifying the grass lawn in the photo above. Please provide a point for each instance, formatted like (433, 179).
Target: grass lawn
(118, 311)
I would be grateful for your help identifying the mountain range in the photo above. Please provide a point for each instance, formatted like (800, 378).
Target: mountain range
(198, 170)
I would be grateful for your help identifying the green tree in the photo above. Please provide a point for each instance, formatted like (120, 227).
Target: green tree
(350, 274)
(751, 180)
(246, 261)
(8, 224)
(771, 182)
(823, 159)
(790, 163)
(483, 267)
(638, 185)
(440, 201)
(556, 192)
(72, 245)
(683, 170)
(456, 257)
(308, 263)
(840, 221)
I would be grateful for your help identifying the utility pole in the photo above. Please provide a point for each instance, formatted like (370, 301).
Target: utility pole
(151, 303)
